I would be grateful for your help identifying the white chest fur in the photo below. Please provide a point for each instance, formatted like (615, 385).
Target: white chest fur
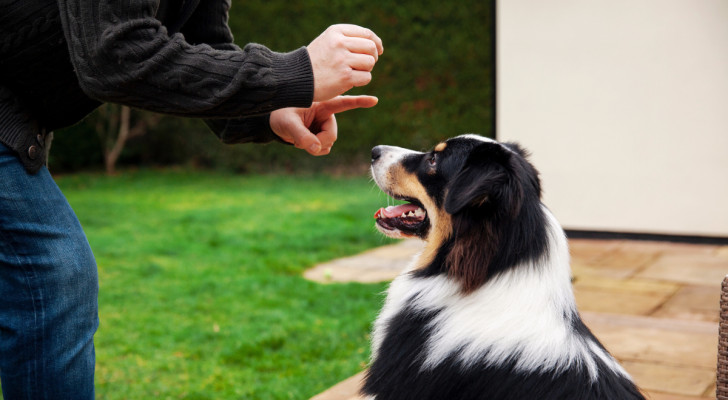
(524, 311)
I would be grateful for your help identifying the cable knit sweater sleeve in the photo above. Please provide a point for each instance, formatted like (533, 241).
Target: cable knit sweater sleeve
(197, 30)
(123, 54)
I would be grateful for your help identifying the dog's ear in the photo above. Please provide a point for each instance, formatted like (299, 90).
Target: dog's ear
(486, 184)
(516, 148)
(486, 180)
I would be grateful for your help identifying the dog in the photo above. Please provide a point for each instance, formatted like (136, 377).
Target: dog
(486, 310)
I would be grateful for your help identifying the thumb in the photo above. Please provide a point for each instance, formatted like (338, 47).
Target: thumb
(303, 138)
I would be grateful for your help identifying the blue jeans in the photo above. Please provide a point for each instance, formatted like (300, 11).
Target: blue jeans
(48, 290)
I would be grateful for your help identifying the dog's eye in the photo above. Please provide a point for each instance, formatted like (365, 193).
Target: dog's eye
(432, 160)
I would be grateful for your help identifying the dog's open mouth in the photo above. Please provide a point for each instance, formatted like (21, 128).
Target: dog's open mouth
(402, 220)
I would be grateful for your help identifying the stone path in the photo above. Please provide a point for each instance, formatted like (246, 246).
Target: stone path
(654, 305)
(376, 265)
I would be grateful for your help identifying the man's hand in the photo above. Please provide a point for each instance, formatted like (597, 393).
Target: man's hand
(343, 57)
(314, 129)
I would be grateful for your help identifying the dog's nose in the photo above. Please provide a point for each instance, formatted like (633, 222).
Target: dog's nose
(376, 153)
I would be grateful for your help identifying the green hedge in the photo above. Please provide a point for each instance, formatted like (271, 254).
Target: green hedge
(435, 80)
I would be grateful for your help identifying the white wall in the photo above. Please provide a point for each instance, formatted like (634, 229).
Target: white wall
(624, 105)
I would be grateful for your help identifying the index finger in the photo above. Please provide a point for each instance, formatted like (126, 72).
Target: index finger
(359, 31)
(344, 103)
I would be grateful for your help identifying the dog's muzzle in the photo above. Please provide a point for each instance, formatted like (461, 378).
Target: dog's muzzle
(402, 220)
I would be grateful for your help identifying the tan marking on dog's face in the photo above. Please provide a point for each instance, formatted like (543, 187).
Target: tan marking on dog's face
(406, 184)
(440, 231)
(441, 146)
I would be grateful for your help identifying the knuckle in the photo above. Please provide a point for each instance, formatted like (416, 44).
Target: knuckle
(371, 62)
(366, 78)
(372, 47)
(348, 75)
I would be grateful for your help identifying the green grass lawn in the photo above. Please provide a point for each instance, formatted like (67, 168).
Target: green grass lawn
(201, 288)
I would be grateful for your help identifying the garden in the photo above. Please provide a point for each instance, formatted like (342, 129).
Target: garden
(201, 290)
(201, 246)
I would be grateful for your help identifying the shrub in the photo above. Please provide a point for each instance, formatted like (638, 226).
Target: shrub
(435, 80)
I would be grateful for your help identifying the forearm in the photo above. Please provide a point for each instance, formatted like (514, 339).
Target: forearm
(243, 130)
(123, 54)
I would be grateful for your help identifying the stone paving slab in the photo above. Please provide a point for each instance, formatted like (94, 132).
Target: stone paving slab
(669, 379)
(655, 341)
(654, 305)
(667, 396)
(377, 265)
(620, 271)
(619, 296)
(722, 252)
(682, 268)
(345, 390)
(692, 302)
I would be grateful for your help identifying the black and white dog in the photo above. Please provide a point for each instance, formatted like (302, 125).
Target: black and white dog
(486, 311)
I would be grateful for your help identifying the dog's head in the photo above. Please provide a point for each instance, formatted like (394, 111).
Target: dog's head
(474, 200)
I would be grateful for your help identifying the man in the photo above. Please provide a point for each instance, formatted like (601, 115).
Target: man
(59, 60)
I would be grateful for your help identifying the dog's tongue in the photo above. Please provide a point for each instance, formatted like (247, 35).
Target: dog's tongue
(395, 211)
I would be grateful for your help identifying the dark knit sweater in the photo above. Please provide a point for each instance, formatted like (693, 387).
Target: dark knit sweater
(59, 59)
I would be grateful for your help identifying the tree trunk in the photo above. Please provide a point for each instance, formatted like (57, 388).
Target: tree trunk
(113, 155)
(115, 138)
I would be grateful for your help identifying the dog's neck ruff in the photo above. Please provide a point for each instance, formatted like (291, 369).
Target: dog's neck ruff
(525, 315)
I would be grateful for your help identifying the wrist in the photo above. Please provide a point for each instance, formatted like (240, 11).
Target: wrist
(294, 73)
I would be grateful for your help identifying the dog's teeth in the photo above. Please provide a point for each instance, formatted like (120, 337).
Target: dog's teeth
(419, 212)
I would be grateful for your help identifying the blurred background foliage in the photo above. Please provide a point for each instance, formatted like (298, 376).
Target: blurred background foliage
(434, 80)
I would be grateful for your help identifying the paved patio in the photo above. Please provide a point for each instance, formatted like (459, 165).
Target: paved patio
(654, 305)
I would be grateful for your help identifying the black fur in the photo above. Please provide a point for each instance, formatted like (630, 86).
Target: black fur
(399, 377)
(493, 196)
(398, 373)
